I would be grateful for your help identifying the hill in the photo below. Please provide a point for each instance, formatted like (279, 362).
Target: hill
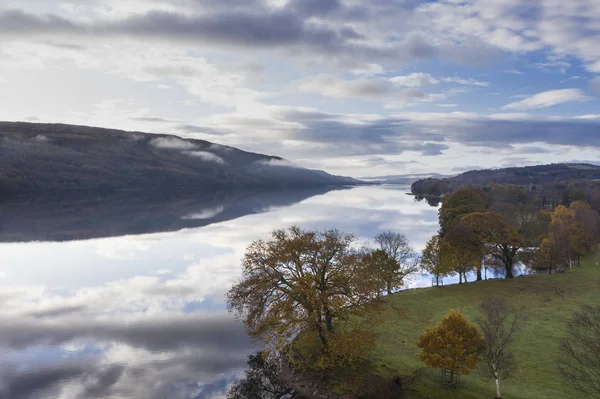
(549, 301)
(556, 175)
(43, 158)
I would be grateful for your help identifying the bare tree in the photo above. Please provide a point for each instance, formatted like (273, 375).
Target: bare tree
(397, 247)
(498, 323)
(580, 352)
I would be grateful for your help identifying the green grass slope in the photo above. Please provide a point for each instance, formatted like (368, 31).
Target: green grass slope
(549, 301)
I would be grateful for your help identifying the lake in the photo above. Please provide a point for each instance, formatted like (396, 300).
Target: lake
(114, 299)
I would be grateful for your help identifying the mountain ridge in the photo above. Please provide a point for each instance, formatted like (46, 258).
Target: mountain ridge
(47, 158)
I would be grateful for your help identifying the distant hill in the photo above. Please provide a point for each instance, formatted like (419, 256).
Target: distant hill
(402, 179)
(558, 174)
(50, 158)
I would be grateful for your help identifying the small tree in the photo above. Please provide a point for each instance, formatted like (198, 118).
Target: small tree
(404, 259)
(432, 260)
(498, 323)
(580, 352)
(454, 344)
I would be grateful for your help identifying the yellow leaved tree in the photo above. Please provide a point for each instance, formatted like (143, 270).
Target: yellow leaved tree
(454, 344)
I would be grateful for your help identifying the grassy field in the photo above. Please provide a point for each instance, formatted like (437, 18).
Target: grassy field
(548, 300)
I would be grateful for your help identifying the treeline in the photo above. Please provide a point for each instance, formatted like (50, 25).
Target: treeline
(500, 227)
(546, 186)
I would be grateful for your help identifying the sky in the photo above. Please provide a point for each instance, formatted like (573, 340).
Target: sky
(358, 88)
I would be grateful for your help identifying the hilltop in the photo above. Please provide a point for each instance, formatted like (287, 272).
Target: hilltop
(47, 158)
(557, 175)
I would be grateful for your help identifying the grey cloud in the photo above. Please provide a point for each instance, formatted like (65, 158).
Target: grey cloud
(429, 149)
(22, 385)
(531, 150)
(58, 311)
(260, 27)
(314, 7)
(496, 133)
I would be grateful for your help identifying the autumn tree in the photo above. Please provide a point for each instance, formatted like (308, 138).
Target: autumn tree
(499, 323)
(465, 250)
(584, 229)
(384, 268)
(580, 352)
(460, 203)
(501, 240)
(402, 259)
(304, 283)
(432, 260)
(454, 344)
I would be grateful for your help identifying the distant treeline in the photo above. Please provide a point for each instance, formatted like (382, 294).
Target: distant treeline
(544, 186)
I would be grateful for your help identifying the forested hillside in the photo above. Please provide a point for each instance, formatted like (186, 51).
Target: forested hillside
(42, 158)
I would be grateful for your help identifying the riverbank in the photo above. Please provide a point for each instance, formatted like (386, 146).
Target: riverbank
(548, 301)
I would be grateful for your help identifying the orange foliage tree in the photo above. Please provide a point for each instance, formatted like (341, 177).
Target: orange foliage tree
(454, 344)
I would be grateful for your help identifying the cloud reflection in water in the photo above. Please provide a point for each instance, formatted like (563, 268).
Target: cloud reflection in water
(144, 316)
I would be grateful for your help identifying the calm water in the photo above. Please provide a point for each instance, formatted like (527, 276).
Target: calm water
(143, 316)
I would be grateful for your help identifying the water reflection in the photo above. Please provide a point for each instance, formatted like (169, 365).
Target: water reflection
(143, 316)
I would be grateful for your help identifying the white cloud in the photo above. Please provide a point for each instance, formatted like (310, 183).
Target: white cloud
(206, 156)
(172, 143)
(369, 70)
(205, 214)
(548, 99)
(414, 80)
(471, 81)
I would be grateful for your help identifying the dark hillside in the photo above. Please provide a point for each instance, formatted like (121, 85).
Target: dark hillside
(42, 158)
(551, 181)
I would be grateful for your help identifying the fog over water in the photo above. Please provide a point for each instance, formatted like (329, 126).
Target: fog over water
(143, 316)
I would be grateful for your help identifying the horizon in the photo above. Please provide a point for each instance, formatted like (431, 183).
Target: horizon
(361, 90)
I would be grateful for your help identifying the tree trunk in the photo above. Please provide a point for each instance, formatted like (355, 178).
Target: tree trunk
(323, 337)
(389, 288)
(497, 387)
(459, 278)
(437, 280)
(509, 271)
(465, 274)
(479, 278)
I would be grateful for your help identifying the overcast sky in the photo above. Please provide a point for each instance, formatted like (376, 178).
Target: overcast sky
(353, 87)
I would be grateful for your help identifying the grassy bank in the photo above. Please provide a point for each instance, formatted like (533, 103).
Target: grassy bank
(549, 301)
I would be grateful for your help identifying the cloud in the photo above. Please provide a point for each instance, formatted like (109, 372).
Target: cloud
(513, 71)
(332, 86)
(206, 156)
(414, 80)
(277, 162)
(172, 143)
(470, 82)
(205, 214)
(548, 99)
(369, 70)
(261, 27)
